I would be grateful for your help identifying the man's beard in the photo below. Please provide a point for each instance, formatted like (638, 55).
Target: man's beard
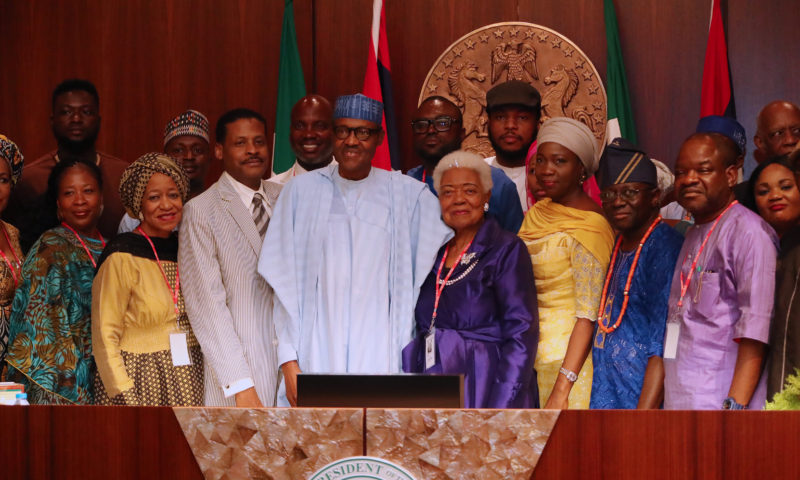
(77, 146)
(517, 157)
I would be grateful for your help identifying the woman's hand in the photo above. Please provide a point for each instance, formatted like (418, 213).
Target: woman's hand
(558, 400)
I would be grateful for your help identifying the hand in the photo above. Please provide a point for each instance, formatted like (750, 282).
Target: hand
(248, 399)
(558, 401)
(290, 371)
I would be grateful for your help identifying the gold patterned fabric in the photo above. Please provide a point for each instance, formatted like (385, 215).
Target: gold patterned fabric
(570, 250)
(137, 175)
(132, 318)
(7, 289)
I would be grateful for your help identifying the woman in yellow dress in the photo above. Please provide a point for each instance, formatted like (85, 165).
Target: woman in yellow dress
(570, 243)
(143, 343)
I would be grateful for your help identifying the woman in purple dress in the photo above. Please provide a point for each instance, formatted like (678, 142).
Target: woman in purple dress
(477, 313)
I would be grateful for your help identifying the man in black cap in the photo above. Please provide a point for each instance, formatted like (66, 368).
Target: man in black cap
(514, 110)
(628, 342)
(438, 130)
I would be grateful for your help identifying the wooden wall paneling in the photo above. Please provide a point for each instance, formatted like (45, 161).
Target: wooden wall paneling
(763, 41)
(675, 445)
(418, 32)
(342, 31)
(663, 59)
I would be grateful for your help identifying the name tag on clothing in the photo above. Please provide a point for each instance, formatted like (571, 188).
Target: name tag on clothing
(179, 349)
(430, 349)
(671, 339)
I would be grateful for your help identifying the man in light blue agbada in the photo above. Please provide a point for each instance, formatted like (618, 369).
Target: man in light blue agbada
(346, 251)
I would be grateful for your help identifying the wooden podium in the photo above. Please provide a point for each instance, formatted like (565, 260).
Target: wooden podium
(43, 442)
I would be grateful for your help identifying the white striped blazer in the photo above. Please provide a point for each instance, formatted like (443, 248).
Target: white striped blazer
(229, 304)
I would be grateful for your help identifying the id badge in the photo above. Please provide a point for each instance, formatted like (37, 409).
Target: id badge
(179, 349)
(671, 340)
(430, 349)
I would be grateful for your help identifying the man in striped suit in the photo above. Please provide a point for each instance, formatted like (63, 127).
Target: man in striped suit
(229, 304)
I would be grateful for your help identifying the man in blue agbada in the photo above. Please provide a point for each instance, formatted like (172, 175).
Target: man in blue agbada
(346, 251)
(628, 343)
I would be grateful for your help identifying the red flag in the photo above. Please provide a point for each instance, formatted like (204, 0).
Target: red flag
(378, 85)
(717, 93)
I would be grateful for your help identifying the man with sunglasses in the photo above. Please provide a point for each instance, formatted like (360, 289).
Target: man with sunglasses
(629, 335)
(438, 130)
(346, 252)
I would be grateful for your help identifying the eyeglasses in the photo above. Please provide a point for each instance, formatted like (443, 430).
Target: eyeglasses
(362, 133)
(627, 194)
(441, 124)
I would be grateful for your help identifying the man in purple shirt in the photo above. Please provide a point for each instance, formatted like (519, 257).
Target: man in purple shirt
(722, 290)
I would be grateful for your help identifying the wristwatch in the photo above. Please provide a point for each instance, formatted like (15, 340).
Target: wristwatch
(730, 404)
(571, 376)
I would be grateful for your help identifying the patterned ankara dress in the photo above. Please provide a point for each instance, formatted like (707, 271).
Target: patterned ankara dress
(50, 343)
(7, 288)
(133, 316)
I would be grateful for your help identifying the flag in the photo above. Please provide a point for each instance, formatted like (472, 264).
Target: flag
(378, 85)
(291, 88)
(716, 97)
(620, 116)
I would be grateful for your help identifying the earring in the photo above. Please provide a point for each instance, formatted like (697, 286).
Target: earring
(486, 207)
(59, 215)
(141, 217)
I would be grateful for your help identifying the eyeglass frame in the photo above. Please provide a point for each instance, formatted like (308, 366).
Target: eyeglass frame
(429, 122)
(354, 131)
(625, 194)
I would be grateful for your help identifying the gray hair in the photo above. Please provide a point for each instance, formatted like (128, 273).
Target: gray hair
(464, 159)
(666, 180)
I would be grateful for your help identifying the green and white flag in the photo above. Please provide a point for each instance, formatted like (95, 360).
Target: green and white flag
(620, 116)
(291, 88)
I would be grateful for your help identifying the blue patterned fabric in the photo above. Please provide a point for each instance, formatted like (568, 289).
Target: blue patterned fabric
(619, 367)
(49, 342)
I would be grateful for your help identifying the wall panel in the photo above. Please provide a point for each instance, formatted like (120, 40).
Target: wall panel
(151, 59)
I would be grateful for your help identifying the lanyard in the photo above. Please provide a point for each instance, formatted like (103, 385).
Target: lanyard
(8, 262)
(85, 248)
(175, 292)
(604, 298)
(685, 285)
(440, 284)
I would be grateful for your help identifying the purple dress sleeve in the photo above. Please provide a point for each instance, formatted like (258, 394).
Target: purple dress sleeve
(515, 292)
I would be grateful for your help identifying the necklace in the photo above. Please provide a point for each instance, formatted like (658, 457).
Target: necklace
(685, 285)
(606, 329)
(440, 284)
(174, 292)
(85, 248)
(16, 258)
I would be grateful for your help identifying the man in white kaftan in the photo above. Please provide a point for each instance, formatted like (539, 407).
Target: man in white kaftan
(346, 252)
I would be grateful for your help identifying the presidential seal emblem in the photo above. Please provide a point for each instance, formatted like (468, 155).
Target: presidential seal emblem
(361, 468)
(568, 82)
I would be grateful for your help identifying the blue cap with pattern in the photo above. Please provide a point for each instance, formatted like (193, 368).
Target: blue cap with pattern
(360, 107)
(726, 126)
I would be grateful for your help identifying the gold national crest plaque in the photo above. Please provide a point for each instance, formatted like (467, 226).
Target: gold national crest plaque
(568, 82)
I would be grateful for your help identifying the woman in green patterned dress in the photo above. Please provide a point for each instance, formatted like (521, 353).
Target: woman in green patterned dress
(50, 348)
